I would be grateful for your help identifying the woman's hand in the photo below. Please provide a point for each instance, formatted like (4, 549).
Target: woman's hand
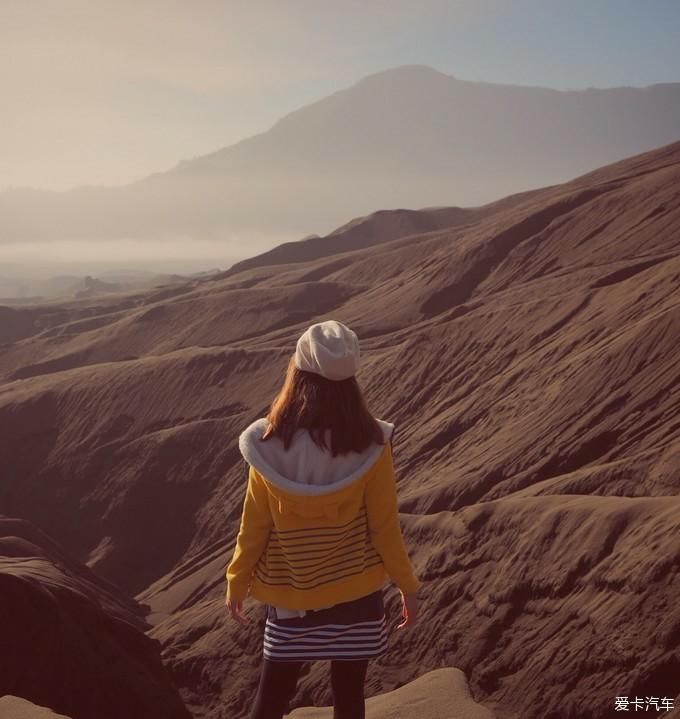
(235, 609)
(409, 609)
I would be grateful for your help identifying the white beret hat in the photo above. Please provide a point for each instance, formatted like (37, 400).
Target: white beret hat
(330, 349)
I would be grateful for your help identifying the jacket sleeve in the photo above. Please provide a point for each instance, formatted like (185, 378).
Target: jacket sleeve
(383, 522)
(256, 525)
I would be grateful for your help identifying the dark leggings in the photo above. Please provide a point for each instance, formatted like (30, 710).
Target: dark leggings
(278, 682)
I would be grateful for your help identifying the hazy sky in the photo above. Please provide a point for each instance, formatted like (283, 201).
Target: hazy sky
(107, 91)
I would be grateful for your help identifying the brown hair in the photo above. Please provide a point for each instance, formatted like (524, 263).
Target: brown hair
(315, 403)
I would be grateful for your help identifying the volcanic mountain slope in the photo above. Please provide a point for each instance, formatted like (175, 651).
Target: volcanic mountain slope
(70, 640)
(60, 332)
(377, 228)
(408, 136)
(528, 356)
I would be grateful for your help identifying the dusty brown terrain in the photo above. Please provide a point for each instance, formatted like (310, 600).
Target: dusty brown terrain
(70, 640)
(439, 694)
(12, 707)
(528, 354)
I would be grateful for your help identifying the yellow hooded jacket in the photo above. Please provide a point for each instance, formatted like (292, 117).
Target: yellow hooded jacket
(307, 546)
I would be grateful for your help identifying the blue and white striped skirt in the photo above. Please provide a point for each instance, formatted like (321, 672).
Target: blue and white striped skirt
(350, 630)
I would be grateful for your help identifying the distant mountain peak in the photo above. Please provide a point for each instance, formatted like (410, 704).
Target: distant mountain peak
(407, 136)
(407, 72)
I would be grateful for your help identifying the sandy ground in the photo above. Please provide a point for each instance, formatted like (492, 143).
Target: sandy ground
(12, 707)
(439, 694)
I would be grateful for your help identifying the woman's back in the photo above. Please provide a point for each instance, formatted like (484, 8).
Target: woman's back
(320, 530)
(317, 544)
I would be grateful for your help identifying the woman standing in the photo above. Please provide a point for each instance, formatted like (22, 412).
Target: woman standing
(320, 530)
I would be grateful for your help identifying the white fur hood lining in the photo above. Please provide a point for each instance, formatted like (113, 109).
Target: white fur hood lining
(305, 469)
